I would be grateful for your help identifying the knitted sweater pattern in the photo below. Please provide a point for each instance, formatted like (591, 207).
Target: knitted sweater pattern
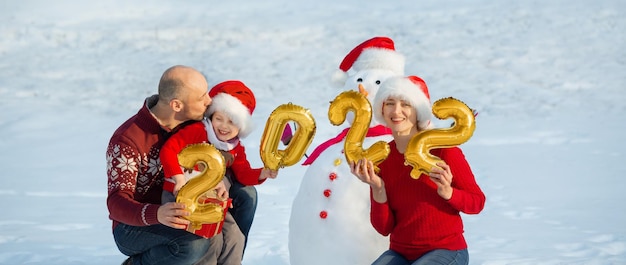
(417, 219)
(133, 169)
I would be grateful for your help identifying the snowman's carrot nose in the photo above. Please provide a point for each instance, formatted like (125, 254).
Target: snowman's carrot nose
(362, 90)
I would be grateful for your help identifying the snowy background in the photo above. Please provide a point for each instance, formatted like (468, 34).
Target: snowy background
(547, 77)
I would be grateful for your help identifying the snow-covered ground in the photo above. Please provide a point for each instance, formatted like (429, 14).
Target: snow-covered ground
(547, 78)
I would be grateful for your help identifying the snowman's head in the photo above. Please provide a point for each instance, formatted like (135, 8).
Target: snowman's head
(377, 53)
(366, 67)
(367, 83)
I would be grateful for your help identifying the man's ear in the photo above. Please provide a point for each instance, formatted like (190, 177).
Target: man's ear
(176, 105)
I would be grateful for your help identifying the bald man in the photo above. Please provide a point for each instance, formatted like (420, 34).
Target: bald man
(143, 229)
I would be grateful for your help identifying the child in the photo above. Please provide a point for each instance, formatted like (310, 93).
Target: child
(422, 216)
(227, 119)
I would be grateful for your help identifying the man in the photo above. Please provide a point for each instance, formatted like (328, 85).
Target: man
(143, 229)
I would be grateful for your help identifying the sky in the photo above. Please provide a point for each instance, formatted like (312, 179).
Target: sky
(547, 78)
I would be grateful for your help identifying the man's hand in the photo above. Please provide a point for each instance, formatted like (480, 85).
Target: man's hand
(171, 214)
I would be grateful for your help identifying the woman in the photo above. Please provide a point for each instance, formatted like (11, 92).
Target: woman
(421, 216)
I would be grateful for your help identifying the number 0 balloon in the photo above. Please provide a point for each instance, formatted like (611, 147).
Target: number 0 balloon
(417, 154)
(270, 155)
(212, 173)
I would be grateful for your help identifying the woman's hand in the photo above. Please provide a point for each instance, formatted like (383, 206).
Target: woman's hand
(443, 178)
(364, 171)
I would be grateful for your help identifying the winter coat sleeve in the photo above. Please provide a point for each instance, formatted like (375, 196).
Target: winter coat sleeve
(467, 196)
(190, 134)
(242, 170)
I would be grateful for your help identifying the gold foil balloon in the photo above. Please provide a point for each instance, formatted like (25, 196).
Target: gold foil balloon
(191, 194)
(417, 153)
(353, 146)
(270, 155)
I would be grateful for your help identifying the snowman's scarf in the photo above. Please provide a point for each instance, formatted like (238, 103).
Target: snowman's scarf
(377, 130)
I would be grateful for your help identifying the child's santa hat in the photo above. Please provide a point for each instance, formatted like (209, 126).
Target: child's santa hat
(237, 101)
(411, 89)
(375, 53)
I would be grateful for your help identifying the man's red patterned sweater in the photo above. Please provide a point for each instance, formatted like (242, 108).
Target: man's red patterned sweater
(134, 173)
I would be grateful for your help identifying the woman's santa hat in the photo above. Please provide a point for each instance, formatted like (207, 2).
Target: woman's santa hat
(411, 89)
(236, 100)
(375, 53)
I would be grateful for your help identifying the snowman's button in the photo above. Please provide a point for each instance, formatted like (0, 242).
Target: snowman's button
(323, 214)
(332, 176)
(337, 161)
(327, 193)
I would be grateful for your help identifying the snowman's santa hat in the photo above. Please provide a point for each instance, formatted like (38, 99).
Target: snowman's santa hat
(411, 89)
(375, 53)
(236, 100)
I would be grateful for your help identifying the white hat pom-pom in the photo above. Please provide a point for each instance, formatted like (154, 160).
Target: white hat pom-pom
(339, 78)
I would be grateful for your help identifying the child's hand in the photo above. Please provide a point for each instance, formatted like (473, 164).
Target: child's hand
(180, 182)
(177, 188)
(221, 191)
(273, 174)
(268, 173)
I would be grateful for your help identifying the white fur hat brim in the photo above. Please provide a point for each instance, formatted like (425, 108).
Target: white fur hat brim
(238, 113)
(371, 59)
(378, 58)
(404, 89)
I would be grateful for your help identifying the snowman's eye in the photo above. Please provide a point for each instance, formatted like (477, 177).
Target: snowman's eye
(359, 79)
(378, 82)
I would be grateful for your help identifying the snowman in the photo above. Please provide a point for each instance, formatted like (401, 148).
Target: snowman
(330, 221)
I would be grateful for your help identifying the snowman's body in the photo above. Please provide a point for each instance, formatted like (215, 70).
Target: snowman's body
(330, 215)
(330, 220)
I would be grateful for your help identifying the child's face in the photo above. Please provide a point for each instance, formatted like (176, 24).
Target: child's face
(224, 128)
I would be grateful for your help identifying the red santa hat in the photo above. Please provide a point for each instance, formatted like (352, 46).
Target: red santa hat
(375, 53)
(236, 100)
(411, 89)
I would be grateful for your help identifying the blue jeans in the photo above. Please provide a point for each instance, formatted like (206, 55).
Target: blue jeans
(437, 257)
(244, 206)
(160, 244)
